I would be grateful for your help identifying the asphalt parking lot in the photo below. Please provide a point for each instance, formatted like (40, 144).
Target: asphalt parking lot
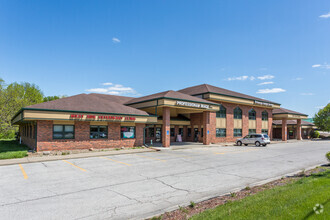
(135, 186)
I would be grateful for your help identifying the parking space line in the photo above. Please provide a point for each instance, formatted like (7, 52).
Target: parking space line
(74, 165)
(152, 158)
(117, 161)
(23, 171)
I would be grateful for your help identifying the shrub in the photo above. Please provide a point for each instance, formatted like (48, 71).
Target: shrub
(192, 204)
(327, 155)
(315, 134)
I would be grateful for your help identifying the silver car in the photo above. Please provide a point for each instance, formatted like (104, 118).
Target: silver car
(255, 139)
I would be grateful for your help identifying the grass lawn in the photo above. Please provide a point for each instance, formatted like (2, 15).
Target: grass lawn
(10, 149)
(292, 201)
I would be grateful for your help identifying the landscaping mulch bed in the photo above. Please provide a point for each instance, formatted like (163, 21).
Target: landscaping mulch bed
(186, 212)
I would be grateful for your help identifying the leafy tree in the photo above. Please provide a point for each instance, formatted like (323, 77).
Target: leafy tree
(322, 118)
(12, 98)
(51, 98)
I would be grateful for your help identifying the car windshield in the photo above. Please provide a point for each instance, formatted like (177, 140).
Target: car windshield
(247, 136)
(266, 136)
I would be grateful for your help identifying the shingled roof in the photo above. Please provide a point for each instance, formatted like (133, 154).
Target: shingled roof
(286, 111)
(96, 103)
(169, 94)
(206, 88)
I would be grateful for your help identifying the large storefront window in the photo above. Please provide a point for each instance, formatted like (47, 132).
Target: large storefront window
(237, 113)
(181, 132)
(63, 132)
(127, 132)
(221, 132)
(264, 116)
(172, 130)
(222, 112)
(252, 131)
(98, 132)
(189, 132)
(237, 132)
(252, 114)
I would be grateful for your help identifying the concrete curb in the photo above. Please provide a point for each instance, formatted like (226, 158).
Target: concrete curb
(72, 156)
(259, 183)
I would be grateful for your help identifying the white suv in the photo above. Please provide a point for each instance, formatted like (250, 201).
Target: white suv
(256, 139)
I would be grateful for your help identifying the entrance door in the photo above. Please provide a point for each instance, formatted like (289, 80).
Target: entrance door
(196, 134)
(158, 134)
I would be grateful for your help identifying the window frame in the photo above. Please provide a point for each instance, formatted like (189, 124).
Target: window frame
(236, 115)
(262, 116)
(235, 133)
(121, 134)
(216, 133)
(252, 114)
(63, 133)
(98, 131)
(222, 113)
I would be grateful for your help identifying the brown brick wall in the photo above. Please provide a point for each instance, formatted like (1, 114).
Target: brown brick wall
(82, 140)
(28, 137)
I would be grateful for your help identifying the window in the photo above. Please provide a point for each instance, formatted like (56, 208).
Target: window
(252, 131)
(172, 132)
(252, 114)
(127, 132)
(264, 131)
(220, 132)
(222, 112)
(63, 132)
(237, 113)
(202, 132)
(151, 132)
(98, 132)
(264, 116)
(237, 132)
(189, 132)
(181, 132)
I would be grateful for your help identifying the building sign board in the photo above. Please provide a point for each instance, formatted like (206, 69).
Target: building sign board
(263, 103)
(102, 117)
(191, 104)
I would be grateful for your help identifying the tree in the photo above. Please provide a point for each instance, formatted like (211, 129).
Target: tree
(51, 98)
(322, 118)
(12, 98)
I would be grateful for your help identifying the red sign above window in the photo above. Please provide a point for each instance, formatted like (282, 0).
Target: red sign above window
(102, 117)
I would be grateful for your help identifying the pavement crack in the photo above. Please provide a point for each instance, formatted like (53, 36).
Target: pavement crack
(166, 184)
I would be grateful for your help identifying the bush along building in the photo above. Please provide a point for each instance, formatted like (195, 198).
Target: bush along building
(202, 113)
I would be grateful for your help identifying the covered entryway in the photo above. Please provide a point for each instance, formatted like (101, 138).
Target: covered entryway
(180, 118)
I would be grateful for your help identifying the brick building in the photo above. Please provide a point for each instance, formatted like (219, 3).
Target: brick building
(202, 113)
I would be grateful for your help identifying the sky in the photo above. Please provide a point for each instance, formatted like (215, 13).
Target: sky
(277, 50)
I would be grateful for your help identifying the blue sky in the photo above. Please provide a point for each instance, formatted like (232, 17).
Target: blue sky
(277, 50)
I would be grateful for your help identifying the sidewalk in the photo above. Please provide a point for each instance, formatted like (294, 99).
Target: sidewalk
(72, 156)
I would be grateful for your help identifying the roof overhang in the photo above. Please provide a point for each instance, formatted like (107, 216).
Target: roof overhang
(237, 100)
(280, 116)
(63, 115)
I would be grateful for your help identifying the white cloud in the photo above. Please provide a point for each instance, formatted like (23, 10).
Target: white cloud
(325, 15)
(298, 78)
(115, 89)
(266, 77)
(323, 66)
(265, 83)
(308, 93)
(107, 84)
(241, 78)
(319, 107)
(274, 90)
(115, 40)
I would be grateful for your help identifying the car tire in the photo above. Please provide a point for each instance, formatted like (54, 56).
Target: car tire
(246, 144)
(239, 143)
(257, 143)
(264, 145)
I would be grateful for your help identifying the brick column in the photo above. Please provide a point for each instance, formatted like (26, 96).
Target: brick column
(258, 120)
(166, 127)
(206, 128)
(176, 132)
(284, 130)
(270, 124)
(299, 129)
(245, 120)
(185, 133)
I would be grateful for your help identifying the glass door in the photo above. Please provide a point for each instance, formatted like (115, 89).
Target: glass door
(158, 134)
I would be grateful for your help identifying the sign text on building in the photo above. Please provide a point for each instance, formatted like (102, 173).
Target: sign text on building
(263, 103)
(102, 117)
(191, 104)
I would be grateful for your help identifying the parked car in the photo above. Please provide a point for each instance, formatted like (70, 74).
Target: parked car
(256, 139)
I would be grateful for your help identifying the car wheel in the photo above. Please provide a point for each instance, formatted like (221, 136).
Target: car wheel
(245, 144)
(257, 143)
(239, 143)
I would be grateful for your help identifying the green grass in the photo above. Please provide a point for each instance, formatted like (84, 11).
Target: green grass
(10, 149)
(292, 201)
